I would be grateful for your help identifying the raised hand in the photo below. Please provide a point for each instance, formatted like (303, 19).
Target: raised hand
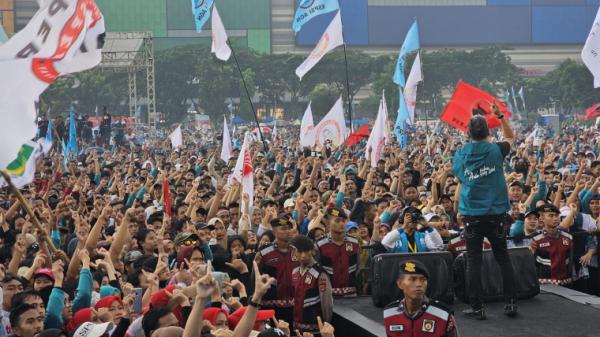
(326, 329)
(207, 285)
(262, 283)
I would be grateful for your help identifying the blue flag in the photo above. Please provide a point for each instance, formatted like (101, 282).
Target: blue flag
(72, 146)
(401, 119)
(308, 9)
(514, 97)
(201, 11)
(65, 153)
(49, 132)
(411, 43)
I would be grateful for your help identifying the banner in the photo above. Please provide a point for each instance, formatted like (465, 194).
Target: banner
(333, 126)
(227, 147)
(176, 138)
(243, 172)
(219, 37)
(411, 43)
(593, 112)
(410, 91)
(22, 169)
(307, 129)
(63, 37)
(467, 101)
(201, 11)
(72, 146)
(308, 9)
(591, 50)
(376, 142)
(331, 39)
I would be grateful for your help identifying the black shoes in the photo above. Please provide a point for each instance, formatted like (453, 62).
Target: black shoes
(510, 308)
(478, 314)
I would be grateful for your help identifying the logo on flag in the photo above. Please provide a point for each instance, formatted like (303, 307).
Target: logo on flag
(309, 9)
(247, 163)
(306, 4)
(321, 47)
(201, 11)
(329, 130)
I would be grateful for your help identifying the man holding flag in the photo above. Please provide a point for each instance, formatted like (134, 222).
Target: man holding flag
(484, 204)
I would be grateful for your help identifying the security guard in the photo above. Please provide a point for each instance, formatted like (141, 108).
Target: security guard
(276, 260)
(312, 287)
(339, 255)
(416, 315)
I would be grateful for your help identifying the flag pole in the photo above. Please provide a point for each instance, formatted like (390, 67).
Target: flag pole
(348, 89)
(247, 94)
(25, 204)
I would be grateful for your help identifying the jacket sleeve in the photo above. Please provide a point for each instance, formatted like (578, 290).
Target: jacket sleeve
(517, 228)
(389, 240)
(208, 255)
(54, 309)
(84, 291)
(433, 240)
(325, 293)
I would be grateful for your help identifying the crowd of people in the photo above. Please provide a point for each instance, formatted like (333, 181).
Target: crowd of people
(114, 257)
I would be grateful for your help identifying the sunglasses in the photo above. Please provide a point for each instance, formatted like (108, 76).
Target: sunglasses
(190, 242)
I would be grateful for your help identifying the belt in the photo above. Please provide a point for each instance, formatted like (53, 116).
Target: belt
(279, 303)
(348, 291)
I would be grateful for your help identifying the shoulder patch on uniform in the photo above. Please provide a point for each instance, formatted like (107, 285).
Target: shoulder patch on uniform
(438, 312)
(267, 250)
(351, 239)
(391, 312)
(565, 234)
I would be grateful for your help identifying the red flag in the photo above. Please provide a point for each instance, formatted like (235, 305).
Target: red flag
(167, 197)
(358, 135)
(593, 112)
(468, 100)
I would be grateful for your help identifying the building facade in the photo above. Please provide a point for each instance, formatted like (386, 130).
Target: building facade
(539, 34)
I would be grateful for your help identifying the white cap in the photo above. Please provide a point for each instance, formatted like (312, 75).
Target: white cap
(89, 329)
(288, 203)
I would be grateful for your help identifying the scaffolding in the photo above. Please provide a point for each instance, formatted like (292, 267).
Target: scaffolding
(133, 52)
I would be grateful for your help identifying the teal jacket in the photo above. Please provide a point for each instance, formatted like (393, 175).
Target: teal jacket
(478, 166)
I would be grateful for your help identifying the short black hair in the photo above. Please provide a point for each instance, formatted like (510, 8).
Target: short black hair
(478, 128)
(142, 234)
(19, 298)
(10, 277)
(150, 322)
(17, 312)
(302, 244)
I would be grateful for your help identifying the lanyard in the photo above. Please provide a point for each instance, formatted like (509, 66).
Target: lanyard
(411, 247)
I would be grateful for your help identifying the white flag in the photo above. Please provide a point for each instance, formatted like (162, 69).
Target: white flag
(274, 133)
(219, 37)
(333, 126)
(387, 131)
(176, 138)
(227, 147)
(331, 39)
(307, 129)
(376, 140)
(410, 90)
(62, 37)
(22, 169)
(243, 171)
(591, 50)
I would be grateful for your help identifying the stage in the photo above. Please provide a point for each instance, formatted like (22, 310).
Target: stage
(555, 312)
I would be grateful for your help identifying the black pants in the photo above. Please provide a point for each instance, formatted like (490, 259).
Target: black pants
(491, 227)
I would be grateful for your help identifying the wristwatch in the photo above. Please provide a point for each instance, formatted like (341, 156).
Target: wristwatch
(253, 304)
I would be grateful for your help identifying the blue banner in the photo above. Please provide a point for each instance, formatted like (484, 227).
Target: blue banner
(411, 43)
(49, 132)
(399, 130)
(308, 9)
(201, 11)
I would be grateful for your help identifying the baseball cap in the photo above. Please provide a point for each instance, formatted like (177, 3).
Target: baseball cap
(351, 225)
(132, 256)
(267, 201)
(44, 272)
(517, 183)
(351, 170)
(201, 225)
(430, 216)
(261, 315)
(548, 208)
(288, 203)
(414, 267)
(185, 238)
(89, 329)
(532, 212)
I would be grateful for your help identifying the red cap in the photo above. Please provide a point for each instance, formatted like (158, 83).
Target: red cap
(262, 315)
(44, 272)
(107, 301)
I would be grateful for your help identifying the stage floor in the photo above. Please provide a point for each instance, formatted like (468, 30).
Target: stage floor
(546, 315)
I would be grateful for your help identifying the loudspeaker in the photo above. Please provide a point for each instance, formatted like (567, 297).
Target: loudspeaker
(385, 270)
(523, 263)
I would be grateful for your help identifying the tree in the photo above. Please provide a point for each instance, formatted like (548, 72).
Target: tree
(323, 96)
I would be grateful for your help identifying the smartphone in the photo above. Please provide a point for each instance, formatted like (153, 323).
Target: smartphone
(137, 304)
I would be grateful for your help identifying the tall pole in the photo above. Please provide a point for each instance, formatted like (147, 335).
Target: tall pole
(348, 88)
(248, 94)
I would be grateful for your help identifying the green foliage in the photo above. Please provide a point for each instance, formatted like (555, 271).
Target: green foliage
(192, 74)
